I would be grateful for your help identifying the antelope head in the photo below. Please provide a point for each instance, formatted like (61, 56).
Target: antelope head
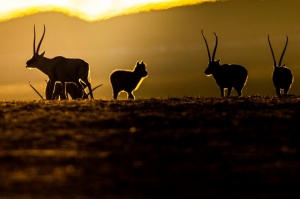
(213, 64)
(32, 63)
(140, 69)
(279, 64)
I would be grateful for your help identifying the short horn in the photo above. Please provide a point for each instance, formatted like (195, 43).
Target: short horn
(206, 46)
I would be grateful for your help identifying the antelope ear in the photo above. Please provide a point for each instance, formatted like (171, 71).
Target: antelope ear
(218, 61)
(142, 62)
(42, 54)
(283, 65)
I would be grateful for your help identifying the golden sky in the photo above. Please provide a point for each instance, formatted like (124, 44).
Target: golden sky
(169, 41)
(90, 10)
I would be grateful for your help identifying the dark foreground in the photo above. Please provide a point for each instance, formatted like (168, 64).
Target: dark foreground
(151, 148)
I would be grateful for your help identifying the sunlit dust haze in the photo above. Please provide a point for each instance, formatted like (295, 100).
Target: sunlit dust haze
(169, 41)
(90, 10)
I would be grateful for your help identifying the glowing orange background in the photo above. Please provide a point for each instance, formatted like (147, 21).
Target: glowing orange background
(89, 10)
(168, 40)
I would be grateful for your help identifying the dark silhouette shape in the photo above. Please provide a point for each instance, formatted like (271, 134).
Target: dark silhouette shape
(129, 81)
(71, 88)
(74, 91)
(61, 69)
(226, 75)
(58, 91)
(49, 90)
(282, 76)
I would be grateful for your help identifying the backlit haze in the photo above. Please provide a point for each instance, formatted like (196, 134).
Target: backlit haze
(115, 34)
(90, 10)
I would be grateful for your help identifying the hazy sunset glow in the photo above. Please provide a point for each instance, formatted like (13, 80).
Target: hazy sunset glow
(165, 34)
(90, 10)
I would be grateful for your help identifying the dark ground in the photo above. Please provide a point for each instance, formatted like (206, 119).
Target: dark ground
(186, 147)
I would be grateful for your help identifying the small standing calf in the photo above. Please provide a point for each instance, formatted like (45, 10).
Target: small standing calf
(71, 88)
(128, 81)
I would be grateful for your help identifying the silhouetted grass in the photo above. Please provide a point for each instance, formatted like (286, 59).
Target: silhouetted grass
(187, 147)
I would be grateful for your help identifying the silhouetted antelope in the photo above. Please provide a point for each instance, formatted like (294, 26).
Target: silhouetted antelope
(226, 75)
(282, 76)
(129, 81)
(61, 69)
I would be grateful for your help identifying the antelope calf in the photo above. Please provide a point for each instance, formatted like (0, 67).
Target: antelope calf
(282, 76)
(57, 92)
(128, 81)
(71, 88)
(226, 75)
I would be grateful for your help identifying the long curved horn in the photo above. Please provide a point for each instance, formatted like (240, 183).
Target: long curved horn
(38, 48)
(272, 51)
(34, 40)
(214, 53)
(206, 46)
(36, 91)
(287, 39)
(95, 88)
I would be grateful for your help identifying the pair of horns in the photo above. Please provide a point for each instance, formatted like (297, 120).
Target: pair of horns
(38, 48)
(215, 49)
(287, 39)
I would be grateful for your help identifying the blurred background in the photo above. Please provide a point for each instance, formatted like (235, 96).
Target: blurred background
(169, 41)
